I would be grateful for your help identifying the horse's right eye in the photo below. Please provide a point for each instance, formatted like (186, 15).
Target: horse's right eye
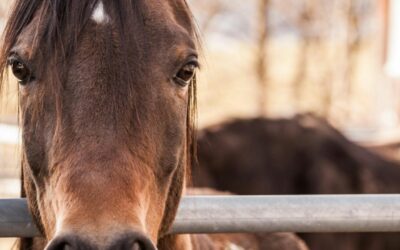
(20, 71)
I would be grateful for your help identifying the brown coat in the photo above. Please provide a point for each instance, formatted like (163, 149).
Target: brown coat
(303, 155)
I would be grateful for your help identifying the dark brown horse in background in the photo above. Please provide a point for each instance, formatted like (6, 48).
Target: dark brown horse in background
(303, 155)
(107, 103)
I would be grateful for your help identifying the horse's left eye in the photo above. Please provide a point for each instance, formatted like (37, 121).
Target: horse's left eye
(20, 70)
(186, 74)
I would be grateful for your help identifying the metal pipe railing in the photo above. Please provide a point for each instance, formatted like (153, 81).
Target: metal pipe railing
(233, 214)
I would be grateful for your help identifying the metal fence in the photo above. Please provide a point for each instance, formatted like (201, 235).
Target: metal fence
(233, 214)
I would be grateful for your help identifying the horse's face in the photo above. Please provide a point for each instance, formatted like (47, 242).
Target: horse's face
(106, 146)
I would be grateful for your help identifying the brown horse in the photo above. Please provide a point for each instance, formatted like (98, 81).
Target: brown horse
(107, 101)
(303, 155)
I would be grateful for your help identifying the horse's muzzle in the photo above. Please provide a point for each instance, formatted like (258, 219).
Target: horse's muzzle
(128, 241)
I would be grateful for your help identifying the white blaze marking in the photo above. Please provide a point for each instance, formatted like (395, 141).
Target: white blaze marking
(99, 15)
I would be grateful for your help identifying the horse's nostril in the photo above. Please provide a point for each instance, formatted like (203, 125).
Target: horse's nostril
(69, 242)
(133, 241)
(128, 241)
(60, 246)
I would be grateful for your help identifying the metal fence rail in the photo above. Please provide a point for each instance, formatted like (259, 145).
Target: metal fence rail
(222, 214)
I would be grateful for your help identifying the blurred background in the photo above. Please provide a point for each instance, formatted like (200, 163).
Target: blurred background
(339, 59)
(278, 58)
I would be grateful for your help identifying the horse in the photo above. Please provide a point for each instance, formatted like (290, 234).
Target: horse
(300, 155)
(107, 103)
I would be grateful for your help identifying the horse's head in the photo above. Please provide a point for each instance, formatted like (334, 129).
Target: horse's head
(106, 100)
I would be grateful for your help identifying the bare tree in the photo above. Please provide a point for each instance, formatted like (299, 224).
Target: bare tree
(261, 56)
(352, 48)
(304, 23)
